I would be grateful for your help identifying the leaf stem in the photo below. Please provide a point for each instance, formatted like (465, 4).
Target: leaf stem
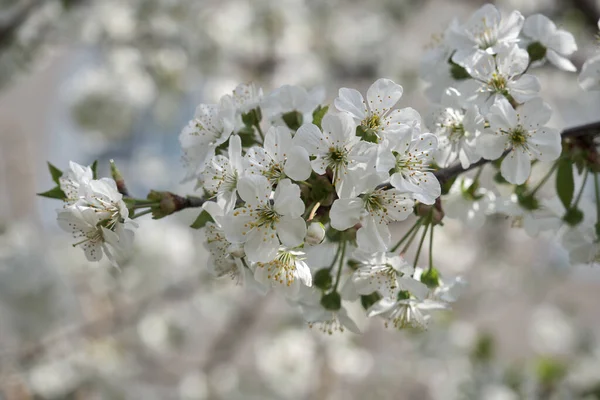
(545, 178)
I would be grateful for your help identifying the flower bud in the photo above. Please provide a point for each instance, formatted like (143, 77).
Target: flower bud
(322, 279)
(315, 234)
(331, 301)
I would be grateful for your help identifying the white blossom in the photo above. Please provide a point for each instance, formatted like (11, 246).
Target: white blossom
(279, 157)
(469, 207)
(523, 133)
(336, 147)
(376, 113)
(386, 273)
(211, 126)
(499, 75)
(73, 179)
(288, 99)
(247, 97)
(221, 173)
(99, 221)
(374, 208)
(286, 271)
(558, 43)
(457, 125)
(261, 225)
(405, 312)
(485, 32)
(409, 161)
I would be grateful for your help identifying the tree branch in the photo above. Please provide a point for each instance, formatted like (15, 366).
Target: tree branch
(445, 174)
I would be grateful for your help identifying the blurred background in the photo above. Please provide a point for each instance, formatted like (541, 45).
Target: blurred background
(99, 79)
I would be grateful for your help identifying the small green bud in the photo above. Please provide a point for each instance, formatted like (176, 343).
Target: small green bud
(331, 301)
(484, 348)
(431, 278)
(528, 202)
(537, 51)
(293, 120)
(573, 216)
(403, 295)
(323, 279)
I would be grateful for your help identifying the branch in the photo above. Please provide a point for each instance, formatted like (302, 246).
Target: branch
(445, 174)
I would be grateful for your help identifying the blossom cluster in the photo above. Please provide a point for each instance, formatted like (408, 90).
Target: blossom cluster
(95, 214)
(298, 196)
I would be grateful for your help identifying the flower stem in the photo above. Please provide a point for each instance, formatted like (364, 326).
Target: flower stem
(421, 243)
(544, 179)
(585, 177)
(597, 189)
(478, 174)
(341, 266)
(150, 204)
(141, 214)
(414, 234)
(406, 235)
(431, 248)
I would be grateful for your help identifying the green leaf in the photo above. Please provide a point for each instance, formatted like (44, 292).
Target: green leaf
(55, 172)
(54, 193)
(94, 168)
(293, 120)
(318, 115)
(202, 220)
(565, 185)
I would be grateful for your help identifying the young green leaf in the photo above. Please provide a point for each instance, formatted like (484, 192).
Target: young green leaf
(94, 168)
(54, 193)
(202, 219)
(565, 185)
(318, 115)
(55, 172)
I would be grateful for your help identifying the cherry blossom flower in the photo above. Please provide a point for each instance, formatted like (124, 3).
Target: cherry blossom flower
(523, 133)
(261, 225)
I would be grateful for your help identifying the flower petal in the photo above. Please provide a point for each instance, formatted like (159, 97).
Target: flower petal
(516, 166)
(383, 95)
(291, 231)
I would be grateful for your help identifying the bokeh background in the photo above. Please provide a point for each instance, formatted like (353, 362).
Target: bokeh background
(117, 79)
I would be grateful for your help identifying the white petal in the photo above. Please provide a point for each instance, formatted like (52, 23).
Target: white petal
(563, 43)
(589, 78)
(534, 113)
(345, 213)
(338, 128)
(237, 225)
(382, 306)
(525, 88)
(383, 95)
(491, 145)
(538, 27)
(512, 61)
(560, 62)
(545, 144)
(510, 27)
(291, 231)
(235, 152)
(254, 189)
(277, 141)
(516, 166)
(415, 287)
(352, 102)
(309, 137)
(287, 199)
(502, 115)
(262, 245)
(373, 236)
(297, 165)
